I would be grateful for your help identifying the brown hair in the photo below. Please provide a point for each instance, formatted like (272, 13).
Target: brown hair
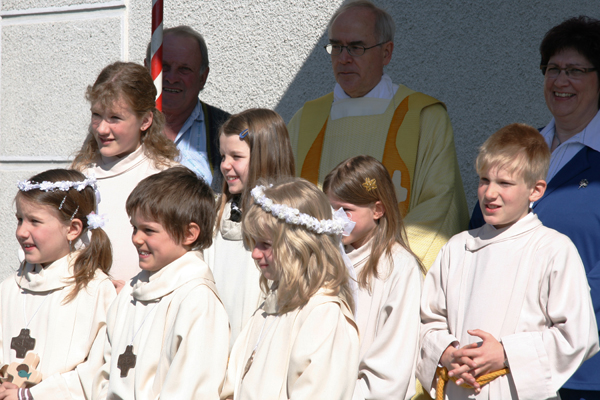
(75, 205)
(517, 148)
(304, 261)
(133, 84)
(581, 34)
(271, 154)
(346, 183)
(175, 198)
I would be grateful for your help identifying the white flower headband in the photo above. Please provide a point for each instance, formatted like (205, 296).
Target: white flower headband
(94, 220)
(340, 224)
(47, 186)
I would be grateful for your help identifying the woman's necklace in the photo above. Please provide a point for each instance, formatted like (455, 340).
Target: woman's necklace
(23, 343)
(260, 337)
(127, 359)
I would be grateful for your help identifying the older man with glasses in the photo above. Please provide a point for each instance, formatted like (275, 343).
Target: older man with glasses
(366, 113)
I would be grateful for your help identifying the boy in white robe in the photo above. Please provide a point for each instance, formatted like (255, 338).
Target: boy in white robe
(510, 298)
(167, 331)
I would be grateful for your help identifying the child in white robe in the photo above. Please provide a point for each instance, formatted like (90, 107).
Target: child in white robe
(254, 144)
(508, 301)
(58, 298)
(167, 331)
(303, 342)
(125, 144)
(390, 278)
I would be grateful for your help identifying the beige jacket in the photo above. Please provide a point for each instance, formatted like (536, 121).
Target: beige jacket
(236, 274)
(64, 334)
(388, 321)
(526, 286)
(308, 353)
(117, 177)
(179, 332)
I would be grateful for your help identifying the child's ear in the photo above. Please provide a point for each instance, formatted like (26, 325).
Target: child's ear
(191, 234)
(379, 210)
(147, 121)
(538, 190)
(74, 229)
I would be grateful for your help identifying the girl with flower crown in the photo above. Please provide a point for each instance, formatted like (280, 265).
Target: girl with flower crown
(253, 144)
(303, 342)
(125, 144)
(55, 305)
(390, 278)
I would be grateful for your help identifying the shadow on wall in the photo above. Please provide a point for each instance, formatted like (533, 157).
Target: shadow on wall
(313, 80)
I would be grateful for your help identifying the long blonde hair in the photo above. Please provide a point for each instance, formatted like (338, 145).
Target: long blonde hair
(133, 84)
(271, 155)
(69, 205)
(304, 261)
(346, 183)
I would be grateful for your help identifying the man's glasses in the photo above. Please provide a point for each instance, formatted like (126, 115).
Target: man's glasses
(353, 50)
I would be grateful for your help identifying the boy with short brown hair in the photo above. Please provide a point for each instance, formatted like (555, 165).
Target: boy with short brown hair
(167, 331)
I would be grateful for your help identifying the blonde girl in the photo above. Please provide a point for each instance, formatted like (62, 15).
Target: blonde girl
(253, 144)
(125, 144)
(58, 296)
(389, 277)
(302, 342)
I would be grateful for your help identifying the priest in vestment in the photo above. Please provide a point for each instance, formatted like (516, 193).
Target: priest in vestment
(408, 131)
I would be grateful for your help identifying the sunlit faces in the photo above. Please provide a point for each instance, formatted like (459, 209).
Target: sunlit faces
(358, 75)
(117, 129)
(263, 255)
(504, 198)
(571, 101)
(182, 81)
(156, 248)
(43, 237)
(365, 218)
(235, 160)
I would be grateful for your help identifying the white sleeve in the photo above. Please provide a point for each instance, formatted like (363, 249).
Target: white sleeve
(324, 357)
(541, 362)
(435, 335)
(200, 345)
(388, 367)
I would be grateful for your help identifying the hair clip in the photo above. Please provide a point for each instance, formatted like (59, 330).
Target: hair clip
(75, 213)
(62, 203)
(96, 221)
(243, 134)
(370, 184)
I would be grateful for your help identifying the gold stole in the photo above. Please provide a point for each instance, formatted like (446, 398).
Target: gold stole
(401, 145)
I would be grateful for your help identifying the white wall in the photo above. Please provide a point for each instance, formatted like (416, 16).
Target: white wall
(479, 57)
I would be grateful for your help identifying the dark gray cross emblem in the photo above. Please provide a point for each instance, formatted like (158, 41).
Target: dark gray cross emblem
(126, 361)
(22, 343)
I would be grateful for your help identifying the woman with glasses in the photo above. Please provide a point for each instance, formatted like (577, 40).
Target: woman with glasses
(570, 58)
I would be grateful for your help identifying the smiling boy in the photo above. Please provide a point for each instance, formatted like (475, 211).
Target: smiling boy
(510, 297)
(167, 332)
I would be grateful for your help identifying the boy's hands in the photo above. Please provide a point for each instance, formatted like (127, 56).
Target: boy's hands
(459, 367)
(473, 360)
(487, 356)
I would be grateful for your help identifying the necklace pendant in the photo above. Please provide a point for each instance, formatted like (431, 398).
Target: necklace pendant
(22, 343)
(248, 364)
(126, 361)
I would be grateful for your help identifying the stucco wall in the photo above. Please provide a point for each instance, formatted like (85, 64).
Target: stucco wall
(479, 57)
